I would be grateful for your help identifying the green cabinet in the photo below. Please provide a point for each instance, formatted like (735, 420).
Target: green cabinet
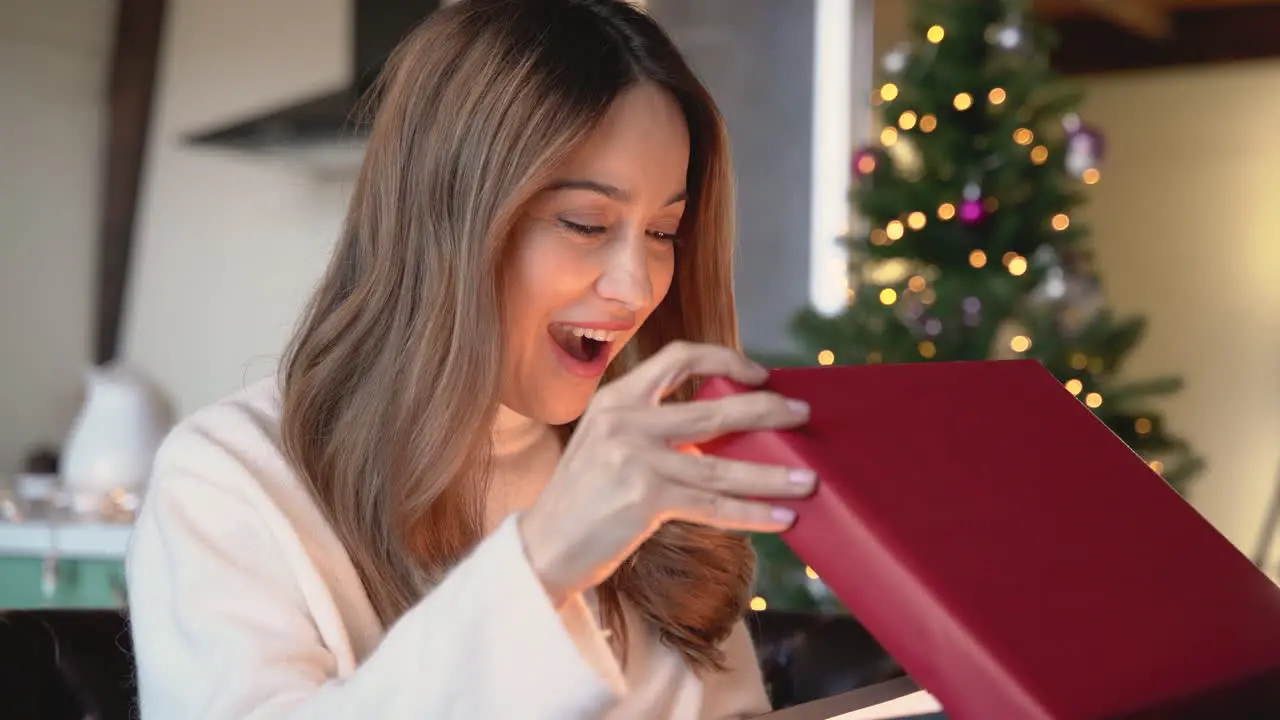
(82, 583)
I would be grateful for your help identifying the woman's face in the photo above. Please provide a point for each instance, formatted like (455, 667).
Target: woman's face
(593, 255)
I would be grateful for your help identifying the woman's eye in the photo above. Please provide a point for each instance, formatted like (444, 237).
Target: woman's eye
(587, 230)
(665, 236)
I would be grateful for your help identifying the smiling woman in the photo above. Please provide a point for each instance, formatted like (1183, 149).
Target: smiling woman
(439, 481)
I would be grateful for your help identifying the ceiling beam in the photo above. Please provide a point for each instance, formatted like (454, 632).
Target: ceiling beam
(1146, 18)
(1199, 36)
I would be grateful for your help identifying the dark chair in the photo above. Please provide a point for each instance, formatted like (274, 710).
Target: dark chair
(78, 664)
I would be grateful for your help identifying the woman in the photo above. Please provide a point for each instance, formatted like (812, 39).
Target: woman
(434, 514)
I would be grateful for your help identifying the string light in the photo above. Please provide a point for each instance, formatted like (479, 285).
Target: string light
(1060, 221)
(866, 164)
(927, 349)
(880, 237)
(888, 296)
(946, 211)
(963, 101)
(810, 573)
(1157, 466)
(874, 357)
(826, 357)
(894, 230)
(928, 123)
(1020, 343)
(916, 220)
(916, 283)
(888, 91)
(1091, 176)
(1023, 136)
(907, 120)
(996, 96)
(935, 34)
(977, 258)
(1008, 257)
(1093, 400)
(758, 604)
(1142, 425)
(928, 296)
(889, 136)
(1017, 266)
(1039, 154)
(1074, 386)
(1079, 361)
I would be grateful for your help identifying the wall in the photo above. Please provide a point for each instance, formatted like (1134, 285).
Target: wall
(1187, 234)
(756, 58)
(229, 246)
(53, 72)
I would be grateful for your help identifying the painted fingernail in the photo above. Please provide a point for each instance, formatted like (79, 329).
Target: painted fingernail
(799, 406)
(784, 515)
(801, 476)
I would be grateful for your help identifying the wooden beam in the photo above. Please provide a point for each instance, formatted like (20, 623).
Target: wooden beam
(134, 60)
(1146, 18)
(1200, 36)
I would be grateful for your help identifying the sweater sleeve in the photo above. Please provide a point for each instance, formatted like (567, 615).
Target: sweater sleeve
(737, 692)
(221, 629)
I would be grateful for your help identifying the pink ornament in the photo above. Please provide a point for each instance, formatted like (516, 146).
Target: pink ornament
(864, 162)
(970, 211)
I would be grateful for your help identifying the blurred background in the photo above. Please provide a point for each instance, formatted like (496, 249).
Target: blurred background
(173, 175)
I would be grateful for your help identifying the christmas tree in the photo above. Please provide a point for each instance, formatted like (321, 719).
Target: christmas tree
(970, 248)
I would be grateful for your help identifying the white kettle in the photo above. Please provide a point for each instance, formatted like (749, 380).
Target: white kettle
(114, 438)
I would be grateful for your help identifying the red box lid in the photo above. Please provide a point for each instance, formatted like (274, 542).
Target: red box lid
(1016, 557)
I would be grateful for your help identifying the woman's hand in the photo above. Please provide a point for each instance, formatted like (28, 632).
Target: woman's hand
(621, 477)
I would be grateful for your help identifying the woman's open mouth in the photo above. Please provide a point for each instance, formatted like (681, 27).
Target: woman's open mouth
(583, 351)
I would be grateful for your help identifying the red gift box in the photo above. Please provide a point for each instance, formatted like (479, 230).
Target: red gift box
(1016, 557)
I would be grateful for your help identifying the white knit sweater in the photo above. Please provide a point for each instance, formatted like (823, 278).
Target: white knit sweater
(245, 605)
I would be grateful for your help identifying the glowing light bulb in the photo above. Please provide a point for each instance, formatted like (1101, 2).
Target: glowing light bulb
(977, 258)
(826, 357)
(1074, 386)
(879, 237)
(888, 91)
(1157, 466)
(1142, 425)
(1060, 221)
(1093, 400)
(963, 101)
(928, 123)
(1091, 176)
(1039, 154)
(916, 220)
(894, 230)
(935, 34)
(1079, 361)
(916, 283)
(927, 349)
(889, 136)
(1017, 266)
(888, 296)
(996, 96)
(1023, 136)
(1020, 343)
(810, 573)
(866, 164)
(907, 120)
(758, 604)
(874, 357)
(946, 211)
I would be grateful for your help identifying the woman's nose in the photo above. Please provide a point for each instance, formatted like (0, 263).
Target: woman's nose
(625, 277)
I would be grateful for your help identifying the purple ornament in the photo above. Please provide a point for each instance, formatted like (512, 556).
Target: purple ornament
(972, 305)
(970, 211)
(1085, 149)
(933, 326)
(864, 162)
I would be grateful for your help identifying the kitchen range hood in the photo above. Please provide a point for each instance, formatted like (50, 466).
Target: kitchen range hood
(322, 130)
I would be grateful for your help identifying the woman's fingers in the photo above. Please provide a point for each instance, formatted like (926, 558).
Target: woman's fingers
(727, 512)
(731, 477)
(656, 377)
(701, 420)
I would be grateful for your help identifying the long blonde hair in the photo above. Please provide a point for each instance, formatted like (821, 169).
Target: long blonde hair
(391, 382)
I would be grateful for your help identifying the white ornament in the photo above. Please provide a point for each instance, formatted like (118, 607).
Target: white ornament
(895, 61)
